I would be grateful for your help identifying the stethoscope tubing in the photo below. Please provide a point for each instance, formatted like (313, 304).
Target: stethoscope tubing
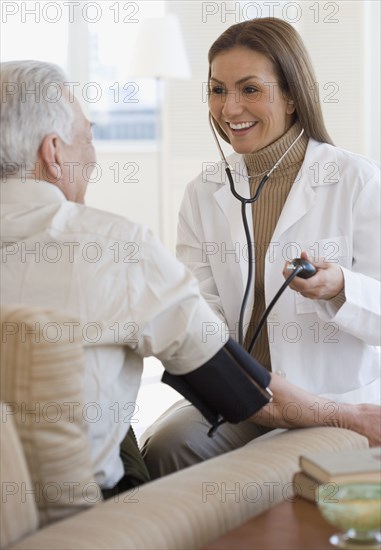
(244, 201)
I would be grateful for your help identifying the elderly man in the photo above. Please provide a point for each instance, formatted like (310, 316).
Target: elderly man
(133, 297)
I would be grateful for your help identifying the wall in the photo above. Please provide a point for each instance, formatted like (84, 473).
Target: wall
(128, 185)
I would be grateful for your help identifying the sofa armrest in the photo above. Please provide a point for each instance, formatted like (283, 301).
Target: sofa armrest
(18, 514)
(192, 507)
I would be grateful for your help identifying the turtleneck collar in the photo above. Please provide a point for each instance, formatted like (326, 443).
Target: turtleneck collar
(263, 160)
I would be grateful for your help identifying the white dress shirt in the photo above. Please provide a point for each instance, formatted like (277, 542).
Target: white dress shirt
(132, 299)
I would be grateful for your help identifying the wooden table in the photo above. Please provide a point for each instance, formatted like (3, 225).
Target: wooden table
(289, 525)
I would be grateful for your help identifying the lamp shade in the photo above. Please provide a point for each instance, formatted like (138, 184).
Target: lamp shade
(160, 50)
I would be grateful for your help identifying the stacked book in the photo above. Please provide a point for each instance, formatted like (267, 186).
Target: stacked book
(358, 466)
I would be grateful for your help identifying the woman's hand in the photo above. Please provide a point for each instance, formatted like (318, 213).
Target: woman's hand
(327, 283)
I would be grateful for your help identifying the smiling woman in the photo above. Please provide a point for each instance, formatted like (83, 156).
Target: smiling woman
(266, 75)
(263, 102)
(249, 109)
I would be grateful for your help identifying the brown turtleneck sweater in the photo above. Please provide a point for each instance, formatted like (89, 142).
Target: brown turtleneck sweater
(266, 212)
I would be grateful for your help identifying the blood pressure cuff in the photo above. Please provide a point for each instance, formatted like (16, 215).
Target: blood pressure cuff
(230, 387)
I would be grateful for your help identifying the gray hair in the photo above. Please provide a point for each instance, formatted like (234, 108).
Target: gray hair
(33, 105)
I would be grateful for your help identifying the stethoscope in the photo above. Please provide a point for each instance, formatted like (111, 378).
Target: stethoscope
(298, 266)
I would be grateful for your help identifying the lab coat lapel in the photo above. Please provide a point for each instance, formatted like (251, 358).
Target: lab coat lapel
(299, 201)
(302, 195)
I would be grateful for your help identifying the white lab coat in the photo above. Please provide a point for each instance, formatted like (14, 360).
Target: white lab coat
(332, 211)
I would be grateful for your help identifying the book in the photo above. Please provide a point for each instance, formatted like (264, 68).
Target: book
(360, 465)
(305, 486)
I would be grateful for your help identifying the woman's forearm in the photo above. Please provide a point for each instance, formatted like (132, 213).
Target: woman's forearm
(294, 407)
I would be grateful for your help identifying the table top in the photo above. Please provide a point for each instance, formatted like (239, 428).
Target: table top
(291, 525)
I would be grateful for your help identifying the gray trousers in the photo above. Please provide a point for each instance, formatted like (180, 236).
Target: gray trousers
(179, 438)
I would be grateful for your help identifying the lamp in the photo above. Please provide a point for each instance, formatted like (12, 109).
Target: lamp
(160, 53)
(160, 50)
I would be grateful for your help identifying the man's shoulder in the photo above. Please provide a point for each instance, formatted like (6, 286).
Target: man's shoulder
(87, 221)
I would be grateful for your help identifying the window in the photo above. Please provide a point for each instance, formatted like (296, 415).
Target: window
(126, 109)
(34, 30)
(92, 41)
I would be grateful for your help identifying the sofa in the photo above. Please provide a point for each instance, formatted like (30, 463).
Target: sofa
(50, 499)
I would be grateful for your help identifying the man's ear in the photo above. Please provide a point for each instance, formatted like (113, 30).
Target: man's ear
(50, 155)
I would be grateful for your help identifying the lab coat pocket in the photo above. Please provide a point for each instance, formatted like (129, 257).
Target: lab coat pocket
(334, 249)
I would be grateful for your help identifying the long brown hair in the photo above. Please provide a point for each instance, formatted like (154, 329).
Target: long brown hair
(282, 44)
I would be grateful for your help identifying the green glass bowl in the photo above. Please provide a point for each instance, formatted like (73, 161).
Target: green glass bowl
(354, 508)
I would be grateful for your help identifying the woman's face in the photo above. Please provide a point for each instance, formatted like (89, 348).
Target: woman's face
(246, 100)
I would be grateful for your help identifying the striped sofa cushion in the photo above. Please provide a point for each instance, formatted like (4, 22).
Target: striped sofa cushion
(41, 386)
(18, 513)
